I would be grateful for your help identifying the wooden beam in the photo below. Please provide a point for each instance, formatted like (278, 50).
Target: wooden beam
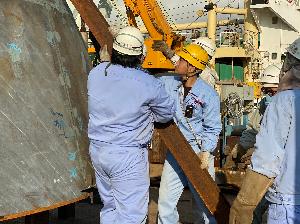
(95, 21)
(204, 185)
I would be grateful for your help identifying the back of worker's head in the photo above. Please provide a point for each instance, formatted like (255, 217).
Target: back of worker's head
(290, 73)
(207, 44)
(128, 47)
(194, 55)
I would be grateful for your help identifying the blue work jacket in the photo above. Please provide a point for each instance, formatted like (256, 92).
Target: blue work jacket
(205, 122)
(277, 148)
(124, 104)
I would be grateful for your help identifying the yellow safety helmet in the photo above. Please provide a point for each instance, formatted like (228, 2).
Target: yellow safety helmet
(195, 55)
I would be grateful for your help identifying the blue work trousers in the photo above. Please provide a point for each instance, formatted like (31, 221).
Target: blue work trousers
(172, 184)
(283, 214)
(122, 177)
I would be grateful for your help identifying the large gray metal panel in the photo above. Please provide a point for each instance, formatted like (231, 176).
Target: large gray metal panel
(43, 106)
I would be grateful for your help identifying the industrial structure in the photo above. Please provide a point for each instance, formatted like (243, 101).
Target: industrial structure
(45, 61)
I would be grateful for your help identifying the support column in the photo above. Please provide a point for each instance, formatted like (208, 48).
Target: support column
(212, 23)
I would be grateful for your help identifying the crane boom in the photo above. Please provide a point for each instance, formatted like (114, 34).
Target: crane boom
(158, 29)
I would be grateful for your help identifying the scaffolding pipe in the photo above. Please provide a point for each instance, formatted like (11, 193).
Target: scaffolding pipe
(188, 26)
(231, 11)
(212, 23)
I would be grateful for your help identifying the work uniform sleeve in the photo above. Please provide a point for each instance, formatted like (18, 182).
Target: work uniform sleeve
(162, 105)
(211, 124)
(270, 141)
(248, 137)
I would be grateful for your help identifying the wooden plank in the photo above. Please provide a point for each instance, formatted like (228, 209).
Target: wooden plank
(95, 21)
(38, 218)
(200, 179)
(158, 150)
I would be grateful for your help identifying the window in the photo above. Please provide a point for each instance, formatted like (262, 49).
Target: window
(274, 56)
(274, 20)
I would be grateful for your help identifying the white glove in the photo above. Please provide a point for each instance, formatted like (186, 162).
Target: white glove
(204, 159)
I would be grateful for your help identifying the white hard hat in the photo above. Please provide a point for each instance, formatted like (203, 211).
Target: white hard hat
(294, 49)
(270, 76)
(129, 40)
(208, 45)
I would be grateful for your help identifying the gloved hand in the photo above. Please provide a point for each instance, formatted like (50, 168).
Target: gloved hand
(160, 45)
(253, 188)
(204, 159)
(246, 159)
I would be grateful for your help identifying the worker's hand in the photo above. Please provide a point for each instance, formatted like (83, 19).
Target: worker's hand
(246, 159)
(204, 159)
(160, 45)
(253, 189)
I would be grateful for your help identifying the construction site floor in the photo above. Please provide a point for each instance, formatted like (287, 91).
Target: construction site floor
(87, 213)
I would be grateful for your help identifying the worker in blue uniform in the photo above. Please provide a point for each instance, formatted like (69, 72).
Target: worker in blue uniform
(242, 151)
(123, 103)
(275, 165)
(198, 117)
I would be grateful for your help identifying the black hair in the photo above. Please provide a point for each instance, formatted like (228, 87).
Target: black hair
(129, 61)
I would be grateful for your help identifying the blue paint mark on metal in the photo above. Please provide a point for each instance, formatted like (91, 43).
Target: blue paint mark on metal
(73, 172)
(72, 156)
(56, 113)
(14, 47)
(80, 123)
(14, 52)
(61, 125)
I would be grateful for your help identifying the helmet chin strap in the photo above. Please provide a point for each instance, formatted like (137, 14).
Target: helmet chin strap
(187, 76)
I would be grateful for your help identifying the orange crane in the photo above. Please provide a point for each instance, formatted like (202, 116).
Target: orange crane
(158, 29)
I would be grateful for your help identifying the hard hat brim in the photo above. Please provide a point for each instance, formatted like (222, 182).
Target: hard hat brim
(190, 59)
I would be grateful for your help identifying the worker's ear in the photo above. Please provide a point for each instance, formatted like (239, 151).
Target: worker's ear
(191, 69)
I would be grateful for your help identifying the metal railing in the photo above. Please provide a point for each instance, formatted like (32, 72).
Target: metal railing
(230, 39)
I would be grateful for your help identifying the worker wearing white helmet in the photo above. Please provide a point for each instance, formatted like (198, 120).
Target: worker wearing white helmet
(123, 104)
(207, 44)
(269, 80)
(275, 167)
(242, 152)
(209, 75)
(270, 76)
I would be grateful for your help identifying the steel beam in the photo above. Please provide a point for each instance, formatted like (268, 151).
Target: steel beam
(95, 21)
